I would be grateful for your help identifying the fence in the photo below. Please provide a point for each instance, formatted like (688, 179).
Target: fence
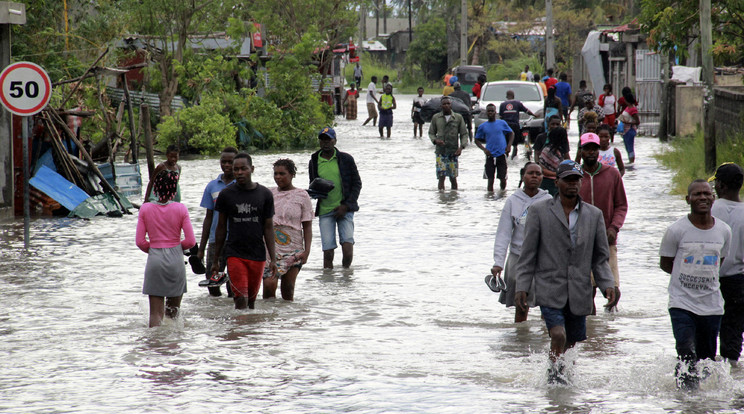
(648, 90)
(728, 111)
(116, 95)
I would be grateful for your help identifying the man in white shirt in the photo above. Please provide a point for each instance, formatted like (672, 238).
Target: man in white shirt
(372, 102)
(729, 208)
(692, 251)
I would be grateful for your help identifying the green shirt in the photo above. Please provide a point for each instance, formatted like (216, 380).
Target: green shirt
(328, 169)
(454, 133)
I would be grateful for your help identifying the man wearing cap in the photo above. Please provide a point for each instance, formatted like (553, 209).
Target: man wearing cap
(602, 187)
(450, 135)
(727, 182)
(450, 86)
(565, 241)
(337, 210)
(497, 137)
(692, 251)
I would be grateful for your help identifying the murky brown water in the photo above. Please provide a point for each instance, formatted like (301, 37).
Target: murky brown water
(410, 328)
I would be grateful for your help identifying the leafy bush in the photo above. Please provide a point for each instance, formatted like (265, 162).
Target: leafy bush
(203, 127)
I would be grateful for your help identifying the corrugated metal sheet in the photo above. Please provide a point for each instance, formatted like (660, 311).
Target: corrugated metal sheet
(648, 90)
(116, 95)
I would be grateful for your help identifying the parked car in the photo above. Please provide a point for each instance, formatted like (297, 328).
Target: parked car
(529, 93)
(468, 75)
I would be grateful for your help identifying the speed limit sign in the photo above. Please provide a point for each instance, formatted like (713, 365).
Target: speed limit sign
(25, 88)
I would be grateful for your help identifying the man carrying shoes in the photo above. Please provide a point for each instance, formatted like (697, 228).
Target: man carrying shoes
(565, 241)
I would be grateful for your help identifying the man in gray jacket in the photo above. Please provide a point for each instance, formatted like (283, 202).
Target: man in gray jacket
(565, 241)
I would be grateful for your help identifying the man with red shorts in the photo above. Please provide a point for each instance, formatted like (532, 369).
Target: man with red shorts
(246, 221)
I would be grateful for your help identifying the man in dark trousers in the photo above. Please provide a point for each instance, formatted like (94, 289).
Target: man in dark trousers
(337, 210)
(565, 241)
(509, 112)
(727, 182)
(494, 138)
(692, 251)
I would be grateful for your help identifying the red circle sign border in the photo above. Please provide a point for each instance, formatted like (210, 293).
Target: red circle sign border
(47, 82)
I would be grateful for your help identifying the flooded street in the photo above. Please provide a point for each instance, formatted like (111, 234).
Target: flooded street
(411, 327)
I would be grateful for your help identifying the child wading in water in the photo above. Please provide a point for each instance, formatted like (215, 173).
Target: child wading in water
(418, 103)
(387, 104)
(170, 164)
(609, 156)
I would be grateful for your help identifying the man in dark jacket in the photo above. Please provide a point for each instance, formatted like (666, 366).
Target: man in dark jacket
(337, 209)
(465, 98)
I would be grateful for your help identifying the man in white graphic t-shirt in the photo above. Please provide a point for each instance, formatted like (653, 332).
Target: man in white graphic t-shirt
(692, 251)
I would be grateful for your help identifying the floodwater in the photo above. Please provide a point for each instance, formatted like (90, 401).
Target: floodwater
(411, 327)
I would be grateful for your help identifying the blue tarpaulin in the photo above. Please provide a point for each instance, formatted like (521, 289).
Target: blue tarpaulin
(58, 188)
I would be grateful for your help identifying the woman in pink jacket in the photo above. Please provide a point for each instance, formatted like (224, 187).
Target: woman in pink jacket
(165, 274)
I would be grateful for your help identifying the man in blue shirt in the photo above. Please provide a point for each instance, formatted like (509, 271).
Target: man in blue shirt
(498, 137)
(563, 91)
(212, 217)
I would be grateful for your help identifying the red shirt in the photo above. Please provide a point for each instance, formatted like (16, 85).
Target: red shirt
(476, 90)
(550, 82)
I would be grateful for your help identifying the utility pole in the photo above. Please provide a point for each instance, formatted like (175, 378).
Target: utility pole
(362, 25)
(463, 32)
(384, 16)
(706, 43)
(410, 27)
(549, 52)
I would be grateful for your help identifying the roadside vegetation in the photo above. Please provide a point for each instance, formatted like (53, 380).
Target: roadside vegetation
(685, 156)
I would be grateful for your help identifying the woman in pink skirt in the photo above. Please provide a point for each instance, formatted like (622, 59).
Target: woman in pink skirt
(162, 222)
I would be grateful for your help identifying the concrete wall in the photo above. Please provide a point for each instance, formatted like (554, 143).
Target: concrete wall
(729, 80)
(688, 111)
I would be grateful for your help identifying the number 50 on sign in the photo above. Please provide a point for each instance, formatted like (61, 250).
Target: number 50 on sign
(25, 88)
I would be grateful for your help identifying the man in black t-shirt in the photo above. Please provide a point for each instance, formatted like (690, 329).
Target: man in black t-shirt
(246, 218)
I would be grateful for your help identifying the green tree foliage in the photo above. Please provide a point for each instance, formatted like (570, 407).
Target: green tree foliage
(205, 127)
(165, 26)
(675, 24)
(65, 42)
(429, 48)
(291, 113)
(572, 25)
(288, 21)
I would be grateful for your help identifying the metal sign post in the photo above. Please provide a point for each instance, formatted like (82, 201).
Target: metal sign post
(25, 89)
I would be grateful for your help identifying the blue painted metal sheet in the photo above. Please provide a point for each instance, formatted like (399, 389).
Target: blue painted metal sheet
(58, 188)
